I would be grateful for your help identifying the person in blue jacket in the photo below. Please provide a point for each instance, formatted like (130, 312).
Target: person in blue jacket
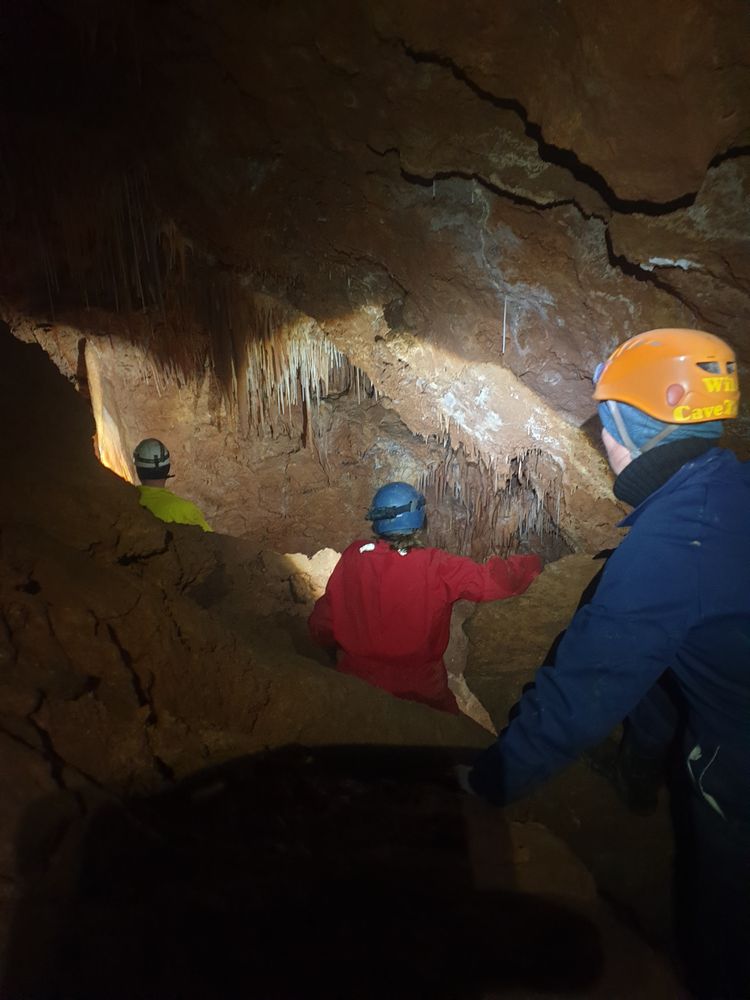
(672, 605)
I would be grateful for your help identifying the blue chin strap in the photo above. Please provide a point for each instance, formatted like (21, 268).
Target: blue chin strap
(635, 450)
(639, 432)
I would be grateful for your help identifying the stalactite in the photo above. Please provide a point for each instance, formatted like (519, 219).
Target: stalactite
(113, 249)
(484, 506)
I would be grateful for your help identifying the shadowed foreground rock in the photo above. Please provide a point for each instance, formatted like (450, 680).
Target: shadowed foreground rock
(362, 873)
(340, 872)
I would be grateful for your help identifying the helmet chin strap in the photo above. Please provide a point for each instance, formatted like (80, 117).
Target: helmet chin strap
(622, 430)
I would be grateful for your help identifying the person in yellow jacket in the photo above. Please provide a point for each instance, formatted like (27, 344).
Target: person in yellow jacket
(151, 460)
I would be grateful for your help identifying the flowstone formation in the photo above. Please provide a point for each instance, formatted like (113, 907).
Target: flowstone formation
(348, 150)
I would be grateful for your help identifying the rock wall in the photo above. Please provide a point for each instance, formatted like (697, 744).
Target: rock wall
(113, 675)
(521, 188)
(498, 467)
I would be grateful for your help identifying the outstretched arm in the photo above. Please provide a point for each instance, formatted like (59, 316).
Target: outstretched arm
(615, 649)
(467, 580)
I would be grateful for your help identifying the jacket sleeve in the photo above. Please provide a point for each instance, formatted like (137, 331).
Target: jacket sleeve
(613, 652)
(467, 580)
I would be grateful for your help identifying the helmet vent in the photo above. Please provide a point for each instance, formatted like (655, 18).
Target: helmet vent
(713, 367)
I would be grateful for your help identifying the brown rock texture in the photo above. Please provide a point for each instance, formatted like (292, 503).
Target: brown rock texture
(497, 465)
(112, 676)
(468, 204)
(508, 640)
(500, 184)
(135, 654)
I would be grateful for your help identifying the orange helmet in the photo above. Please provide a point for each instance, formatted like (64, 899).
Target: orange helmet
(677, 376)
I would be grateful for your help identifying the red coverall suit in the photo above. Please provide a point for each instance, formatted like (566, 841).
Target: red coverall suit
(389, 613)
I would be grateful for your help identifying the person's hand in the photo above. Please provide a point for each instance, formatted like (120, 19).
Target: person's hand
(461, 774)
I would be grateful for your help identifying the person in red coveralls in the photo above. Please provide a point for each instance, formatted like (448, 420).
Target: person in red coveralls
(387, 606)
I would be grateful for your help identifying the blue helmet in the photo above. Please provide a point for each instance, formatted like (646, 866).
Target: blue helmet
(396, 509)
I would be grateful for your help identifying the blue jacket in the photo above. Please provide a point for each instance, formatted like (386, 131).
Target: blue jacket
(675, 595)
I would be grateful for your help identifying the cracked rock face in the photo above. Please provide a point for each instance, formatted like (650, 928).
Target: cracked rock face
(524, 186)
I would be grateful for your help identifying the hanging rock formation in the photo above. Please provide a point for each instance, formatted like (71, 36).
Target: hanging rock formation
(443, 197)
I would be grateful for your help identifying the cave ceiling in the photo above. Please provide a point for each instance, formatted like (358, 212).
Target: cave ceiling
(409, 175)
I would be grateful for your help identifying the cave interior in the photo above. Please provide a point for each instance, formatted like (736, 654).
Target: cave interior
(315, 248)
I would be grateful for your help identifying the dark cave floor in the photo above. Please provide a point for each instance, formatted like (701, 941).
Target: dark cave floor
(628, 855)
(339, 871)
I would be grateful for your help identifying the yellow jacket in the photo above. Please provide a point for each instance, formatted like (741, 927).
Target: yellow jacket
(167, 507)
